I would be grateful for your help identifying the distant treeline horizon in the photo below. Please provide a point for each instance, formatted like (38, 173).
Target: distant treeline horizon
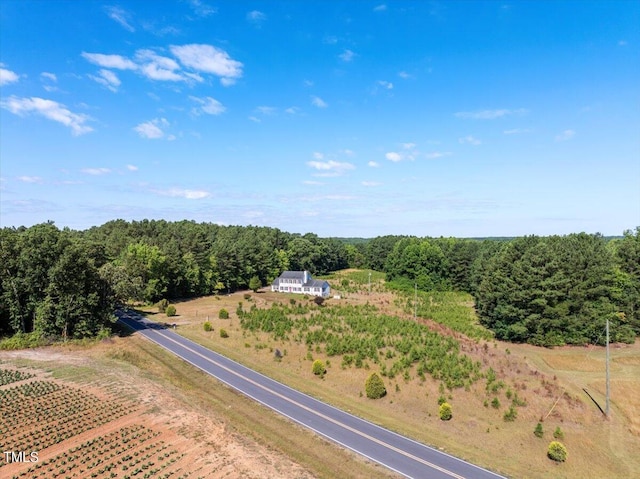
(545, 290)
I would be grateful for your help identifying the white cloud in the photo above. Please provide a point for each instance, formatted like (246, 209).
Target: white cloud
(373, 164)
(622, 43)
(30, 179)
(266, 110)
(49, 76)
(292, 110)
(313, 183)
(256, 17)
(152, 129)
(393, 156)
(49, 109)
(565, 135)
(120, 16)
(149, 56)
(404, 75)
(347, 56)
(96, 171)
(183, 193)
(209, 105)
(330, 167)
(110, 61)
(348, 152)
(317, 155)
(202, 9)
(437, 154)
(385, 84)
(489, 114)
(319, 102)
(516, 131)
(469, 140)
(255, 119)
(7, 76)
(409, 153)
(380, 8)
(108, 79)
(370, 183)
(132, 168)
(209, 59)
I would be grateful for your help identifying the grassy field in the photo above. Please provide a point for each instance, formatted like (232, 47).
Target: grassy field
(550, 382)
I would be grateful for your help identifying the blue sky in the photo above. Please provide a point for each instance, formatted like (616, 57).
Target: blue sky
(339, 118)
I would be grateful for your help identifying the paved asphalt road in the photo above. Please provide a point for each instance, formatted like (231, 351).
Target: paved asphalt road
(387, 448)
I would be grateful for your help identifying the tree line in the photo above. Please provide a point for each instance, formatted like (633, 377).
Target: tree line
(542, 290)
(547, 291)
(65, 283)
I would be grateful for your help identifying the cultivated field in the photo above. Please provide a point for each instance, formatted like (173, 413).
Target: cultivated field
(188, 425)
(123, 408)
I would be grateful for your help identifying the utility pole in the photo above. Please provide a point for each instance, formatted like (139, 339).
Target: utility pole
(608, 390)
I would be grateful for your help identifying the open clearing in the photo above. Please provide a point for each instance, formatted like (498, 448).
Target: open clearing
(217, 433)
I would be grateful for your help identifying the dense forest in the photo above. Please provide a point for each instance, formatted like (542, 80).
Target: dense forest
(542, 290)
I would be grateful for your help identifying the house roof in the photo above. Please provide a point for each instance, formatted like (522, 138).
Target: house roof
(311, 283)
(292, 275)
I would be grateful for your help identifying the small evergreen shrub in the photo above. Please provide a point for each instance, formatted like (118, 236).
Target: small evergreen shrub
(558, 434)
(441, 400)
(510, 415)
(223, 314)
(171, 310)
(538, 431)
(495, 403)
(318, 368)
(207, 326)
(446, 413)
(162, 305)
(557, 451)
(374, 387)
(223, 333)
(319, 300)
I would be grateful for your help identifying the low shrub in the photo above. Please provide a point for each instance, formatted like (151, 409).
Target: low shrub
(446, 412)
(538, 431)
(318, 368)
(171, 310)
(557, 451)
(510, 415)
(558, 434)
(223, 314)
(223, 333)
(207, 326)
(374, 387)
(162, 305)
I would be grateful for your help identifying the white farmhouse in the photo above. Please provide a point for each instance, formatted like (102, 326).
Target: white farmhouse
(300, 282)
